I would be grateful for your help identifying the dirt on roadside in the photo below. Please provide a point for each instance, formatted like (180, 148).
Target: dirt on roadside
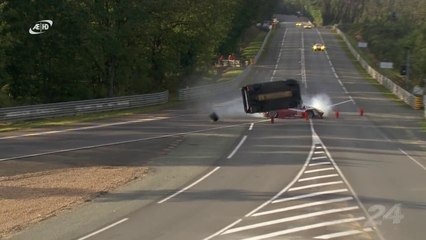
(31, 197)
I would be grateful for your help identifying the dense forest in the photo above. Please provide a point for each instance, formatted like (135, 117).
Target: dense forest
(100, 48)
(392, 28)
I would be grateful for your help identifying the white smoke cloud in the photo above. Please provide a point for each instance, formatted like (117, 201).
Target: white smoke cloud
(319, 101)
(233, 108)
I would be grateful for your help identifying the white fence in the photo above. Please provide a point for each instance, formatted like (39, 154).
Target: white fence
(77, 107)
(401, 93)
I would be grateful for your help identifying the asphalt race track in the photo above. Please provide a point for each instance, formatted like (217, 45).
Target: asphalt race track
(352, 177)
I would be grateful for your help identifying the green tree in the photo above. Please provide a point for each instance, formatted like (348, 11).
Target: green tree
(99, 48)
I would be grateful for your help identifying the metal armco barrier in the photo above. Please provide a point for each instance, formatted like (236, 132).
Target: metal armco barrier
(217, 88)
(401, 93)
(80, 107)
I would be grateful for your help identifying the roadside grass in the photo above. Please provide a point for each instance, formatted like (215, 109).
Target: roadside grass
(267, 46)
(424, 125)
(69, 120)
(231, 74)
(251, 48)
(367, 76)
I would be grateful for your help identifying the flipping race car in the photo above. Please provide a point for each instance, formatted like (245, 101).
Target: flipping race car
(278, 99)
(303, 112)
(270, 96)
(318, 47)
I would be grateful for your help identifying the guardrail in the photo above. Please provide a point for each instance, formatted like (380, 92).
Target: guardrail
(214, 89)
(401, 93)
(78, 107)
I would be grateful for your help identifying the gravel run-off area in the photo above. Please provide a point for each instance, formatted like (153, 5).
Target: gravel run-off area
(31, 197)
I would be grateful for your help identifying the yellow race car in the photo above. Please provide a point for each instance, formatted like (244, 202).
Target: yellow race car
(308, 26)
(298, 24)
(318, 47)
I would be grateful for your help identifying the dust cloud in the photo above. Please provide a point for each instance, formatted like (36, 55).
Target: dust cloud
(319, 101)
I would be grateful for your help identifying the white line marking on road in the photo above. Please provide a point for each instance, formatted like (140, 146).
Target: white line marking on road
(208, 174)
(343, 234)
(318, 177)
(283, 41)
(319, 152)
(318, 147)
(121, 142)
(223, 230)
(304, 228)
(339, 103)
(103, 229)
(288, 186)
(302, 62)
(352, 100)
(308, 195)
(189, 186)
(318, 158)
(251, 126)
(412, 159)
(319, 170)
(304, 205)
(289, 219)
(337, 76)
(385, 137)
(318, 163)
(278, 58)
(237, 147)
(370, 220)
(83, 128)
(315, 185)
(334, 70)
